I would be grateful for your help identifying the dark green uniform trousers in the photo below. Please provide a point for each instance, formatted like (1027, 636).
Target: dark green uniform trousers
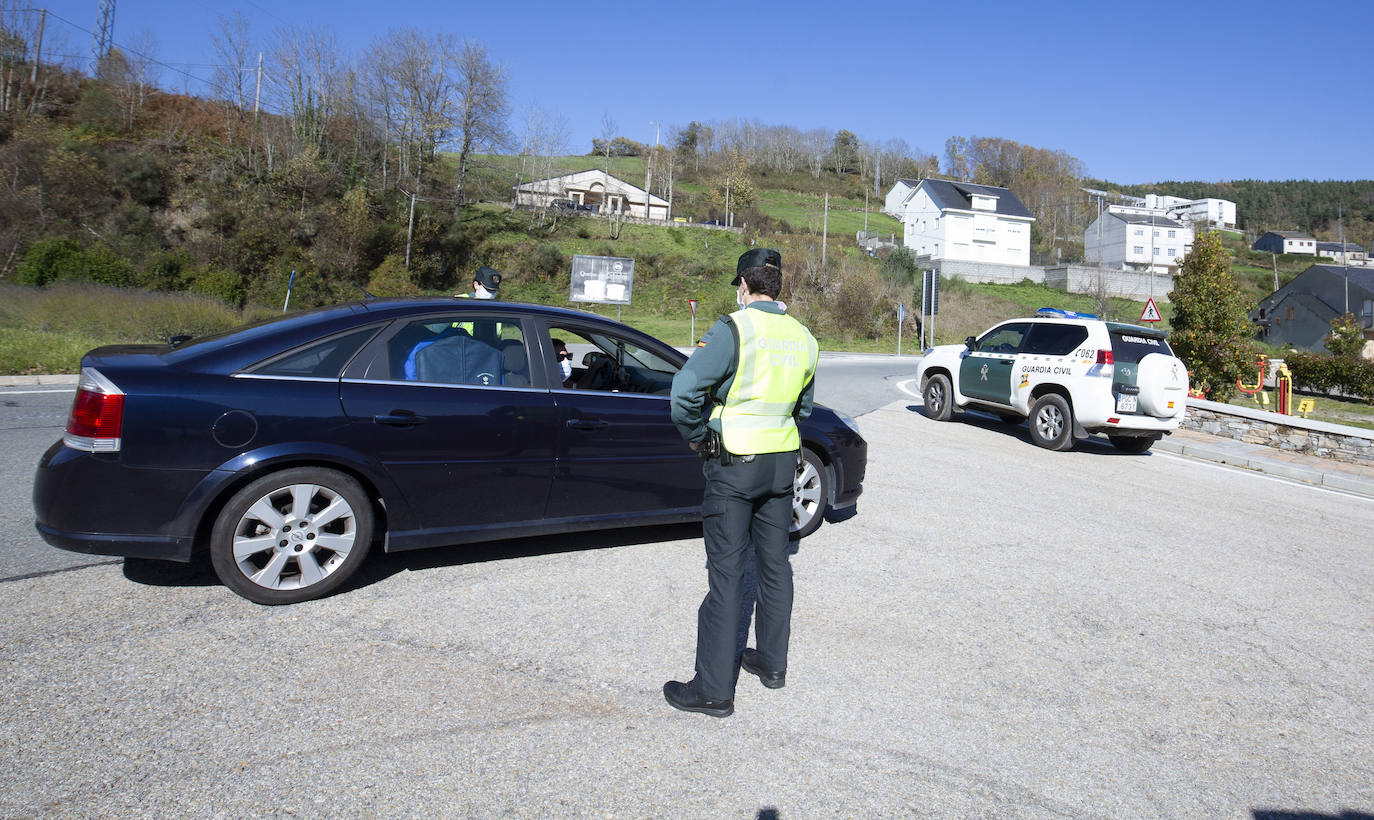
(745, 501)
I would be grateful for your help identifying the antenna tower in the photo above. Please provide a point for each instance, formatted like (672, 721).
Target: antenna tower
(104, 34)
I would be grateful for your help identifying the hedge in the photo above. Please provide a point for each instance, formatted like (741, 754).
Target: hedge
(1325, 374)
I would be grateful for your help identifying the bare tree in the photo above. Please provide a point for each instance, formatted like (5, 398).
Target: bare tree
(234, 75)
(305, 68)
(480, 107)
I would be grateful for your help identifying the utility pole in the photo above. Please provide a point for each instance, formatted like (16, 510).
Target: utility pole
(1345, 257)
(649, 173)
(38, 49)
(825, 226)
(410, 230)
(257, 92)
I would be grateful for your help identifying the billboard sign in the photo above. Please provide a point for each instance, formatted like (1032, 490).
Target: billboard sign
(602, 279)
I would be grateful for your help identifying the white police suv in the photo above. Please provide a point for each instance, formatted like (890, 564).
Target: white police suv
(1071, 374)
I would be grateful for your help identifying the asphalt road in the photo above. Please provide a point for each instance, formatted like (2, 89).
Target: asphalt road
(1000, 631)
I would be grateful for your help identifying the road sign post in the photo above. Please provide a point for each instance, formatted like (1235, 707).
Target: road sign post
(901, 319)
(692, 303)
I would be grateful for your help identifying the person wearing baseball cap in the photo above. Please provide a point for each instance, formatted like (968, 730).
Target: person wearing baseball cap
(485, 284)
(737, 402)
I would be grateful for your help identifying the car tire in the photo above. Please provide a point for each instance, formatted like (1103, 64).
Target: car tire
(1132, 444)
(810, 494)
(938, 398)
(292, 535)
(1051, 422)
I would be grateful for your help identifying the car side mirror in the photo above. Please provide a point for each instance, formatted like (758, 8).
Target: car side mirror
(970, 342)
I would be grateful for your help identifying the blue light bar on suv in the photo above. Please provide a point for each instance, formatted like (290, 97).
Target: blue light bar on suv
(1063, 314)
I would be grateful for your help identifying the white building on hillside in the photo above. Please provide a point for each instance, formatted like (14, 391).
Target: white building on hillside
(598, 189)
(1128, 238)
(895, 203)
(947, 220)
(1196, 213)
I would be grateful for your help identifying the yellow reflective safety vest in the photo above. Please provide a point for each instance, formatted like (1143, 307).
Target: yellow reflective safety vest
(777, 357)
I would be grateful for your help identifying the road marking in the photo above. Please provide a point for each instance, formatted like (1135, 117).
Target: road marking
(902, 386)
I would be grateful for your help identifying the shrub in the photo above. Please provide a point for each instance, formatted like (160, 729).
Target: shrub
(47, 261)
(392, 279)
(1325, 374)
(218, 283)
(1346, 338)
(53, 259)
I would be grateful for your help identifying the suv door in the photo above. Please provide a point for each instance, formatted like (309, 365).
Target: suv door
(986, 370)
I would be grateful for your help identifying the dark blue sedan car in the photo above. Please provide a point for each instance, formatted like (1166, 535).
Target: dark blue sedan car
(287, 449)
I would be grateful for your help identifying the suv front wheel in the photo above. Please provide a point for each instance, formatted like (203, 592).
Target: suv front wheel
(1051, 422)
(937, 398)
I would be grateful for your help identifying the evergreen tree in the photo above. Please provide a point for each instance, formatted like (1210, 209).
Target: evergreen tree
(1211, 321)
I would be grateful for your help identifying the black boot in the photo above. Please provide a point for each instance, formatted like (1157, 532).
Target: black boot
(749, 662)
(685, 696)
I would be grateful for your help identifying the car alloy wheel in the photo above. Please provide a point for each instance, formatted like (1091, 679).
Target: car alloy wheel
(936, 398)
(810, 494)
(1051, 424)
(292, 536)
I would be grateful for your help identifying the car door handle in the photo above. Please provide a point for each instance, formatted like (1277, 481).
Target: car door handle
(587, 424)
(400, 419)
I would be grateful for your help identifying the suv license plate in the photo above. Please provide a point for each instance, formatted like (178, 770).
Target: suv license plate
(1125, 403)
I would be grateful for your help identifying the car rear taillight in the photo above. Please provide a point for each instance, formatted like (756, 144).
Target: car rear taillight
(1104, 356)
(97, 416)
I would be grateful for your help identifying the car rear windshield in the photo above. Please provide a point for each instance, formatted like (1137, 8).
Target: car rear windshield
(1130, 348)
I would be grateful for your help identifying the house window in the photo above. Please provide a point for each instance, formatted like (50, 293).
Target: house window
(1138, 250)
(1139, 232)
(1156, 233)
(1288, 314)
(1171, 253)
(1156, 251)
(1171, 236)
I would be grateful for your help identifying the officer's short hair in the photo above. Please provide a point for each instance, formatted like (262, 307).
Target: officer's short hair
(763, 281)
(761, 269)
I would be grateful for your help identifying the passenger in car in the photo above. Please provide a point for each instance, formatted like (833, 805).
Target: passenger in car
(565, 367)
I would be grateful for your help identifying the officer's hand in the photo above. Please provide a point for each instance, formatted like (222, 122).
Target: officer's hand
(695, 445)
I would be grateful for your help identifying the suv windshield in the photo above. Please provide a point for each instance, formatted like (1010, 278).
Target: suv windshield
(1130, 348)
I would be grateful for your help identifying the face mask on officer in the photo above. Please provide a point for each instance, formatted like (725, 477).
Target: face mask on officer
(739, 296)
(565, 367)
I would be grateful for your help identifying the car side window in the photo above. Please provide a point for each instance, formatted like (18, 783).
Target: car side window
(600, 361)
(1049, 339)
(460, 350)
(317, 360)
(1003, 339)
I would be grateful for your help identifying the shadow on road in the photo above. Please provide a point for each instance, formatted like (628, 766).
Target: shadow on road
(379, 565)
(1018, 429)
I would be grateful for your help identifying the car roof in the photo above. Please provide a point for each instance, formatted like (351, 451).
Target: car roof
(285, 332)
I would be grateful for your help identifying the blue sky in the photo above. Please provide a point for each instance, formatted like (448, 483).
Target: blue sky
(1139, 92)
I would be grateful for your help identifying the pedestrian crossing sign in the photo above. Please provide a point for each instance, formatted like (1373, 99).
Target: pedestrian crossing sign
(1150, 313)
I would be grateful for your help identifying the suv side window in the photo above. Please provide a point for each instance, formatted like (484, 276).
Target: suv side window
(1003, 339)
(1050, 339)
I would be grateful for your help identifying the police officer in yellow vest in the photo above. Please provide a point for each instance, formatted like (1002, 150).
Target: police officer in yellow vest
(737, 402)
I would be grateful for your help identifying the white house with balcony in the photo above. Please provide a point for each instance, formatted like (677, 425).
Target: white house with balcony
(1144, 239)
(959, 221)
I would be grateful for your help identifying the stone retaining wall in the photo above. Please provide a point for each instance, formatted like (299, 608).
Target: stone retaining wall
(1293, 433)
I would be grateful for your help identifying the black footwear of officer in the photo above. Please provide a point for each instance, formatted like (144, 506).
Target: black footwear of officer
(753, 664)
(685, 696)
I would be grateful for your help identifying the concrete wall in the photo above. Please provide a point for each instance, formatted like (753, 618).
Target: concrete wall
(988, 272)
(1127, 284)
(1292, 433)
